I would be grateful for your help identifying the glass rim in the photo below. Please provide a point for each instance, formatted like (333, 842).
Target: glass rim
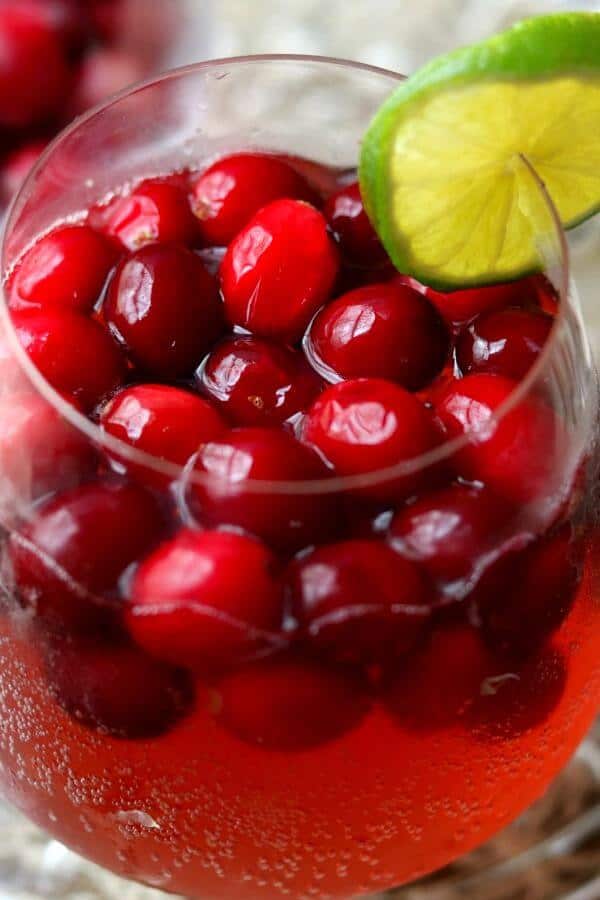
(123, 451)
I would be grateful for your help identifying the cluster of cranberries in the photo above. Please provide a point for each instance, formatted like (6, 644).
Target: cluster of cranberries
(59, 57)
(243, 327)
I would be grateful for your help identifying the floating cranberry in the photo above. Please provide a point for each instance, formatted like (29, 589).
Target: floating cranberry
(459, 307)
(117, 690)
(17, 166)
(436, 686)
(34, 75)
(279, 270)
(40, 451)
(206, 598)
(164, 306)
(450, 531)
(528, 592)
(68, 560)
(233, 189)
(66, 269)
(257, 382)
(104, 71)
(367, 425)
(519, 698)
(520, 455)
(358, 601)
(157, 210)
(166, 422)
(75, 354)
(506, 342)
(380, 331)
(350, 224)
(288, 519)
(290, 704)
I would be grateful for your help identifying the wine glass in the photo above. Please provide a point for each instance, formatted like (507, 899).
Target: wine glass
(328, 757)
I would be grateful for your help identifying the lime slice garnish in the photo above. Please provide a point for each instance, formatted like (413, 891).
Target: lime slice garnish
(446, 164)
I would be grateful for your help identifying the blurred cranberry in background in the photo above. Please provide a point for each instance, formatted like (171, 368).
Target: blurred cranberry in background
(60, 57)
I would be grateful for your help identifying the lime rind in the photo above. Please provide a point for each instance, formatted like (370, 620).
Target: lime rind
(447, 142)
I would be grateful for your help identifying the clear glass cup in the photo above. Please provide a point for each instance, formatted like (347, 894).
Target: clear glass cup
(395, 769)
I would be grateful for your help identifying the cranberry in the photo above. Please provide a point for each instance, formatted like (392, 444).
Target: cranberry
(528, 591)
(257, 382)
(381, 331)
(367, 425)
(108, 18)
(450, 531)
(435, 687)
(68, 560)
(74, 353)
(166, 422)
(103, 71)
(346, 215)
(279, 270)
(34, 75)
(206, 598)
(290, 704)
(520, 455)
(67, 18)
(164, 306)
(358, 601)
(289, 519)
(459, 307)
(507, 342)
(117, 690)
(157, 210)
(17, 166)
(68, 268)
(233, 189)
(40, 451)
(519, 698)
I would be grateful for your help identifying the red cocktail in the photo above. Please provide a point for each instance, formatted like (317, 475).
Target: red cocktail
(298, 554)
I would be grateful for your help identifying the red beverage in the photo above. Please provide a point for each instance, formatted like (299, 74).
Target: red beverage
(316, 609)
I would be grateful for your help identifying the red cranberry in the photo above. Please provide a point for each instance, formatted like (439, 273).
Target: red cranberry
(290, 704)
(369, 424)
(519, 698)
(74, 353)
(381, 331)
(507, 342)
(450, 531)
(40, 451)
(521, 456)
(256, 382)
(17, 166)
(287, 520)
(164, 306)
(68, 268)
(155, 211)
(108, 18)
(458, 307)
(358, 601)
(528, 591)
(233, 189)
(166, 422)
(104, 71)
(117, 690)
(435, 687)
(206, 598)
(68, 560)
(34, 75)
(67, 18)
(279, 270)
(350, 224)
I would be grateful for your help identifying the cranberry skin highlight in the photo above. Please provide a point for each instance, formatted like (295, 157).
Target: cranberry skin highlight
(381, 331)
(506, 343)
(205, 599)
(279, 270)
(233, 189)
(164, 307)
